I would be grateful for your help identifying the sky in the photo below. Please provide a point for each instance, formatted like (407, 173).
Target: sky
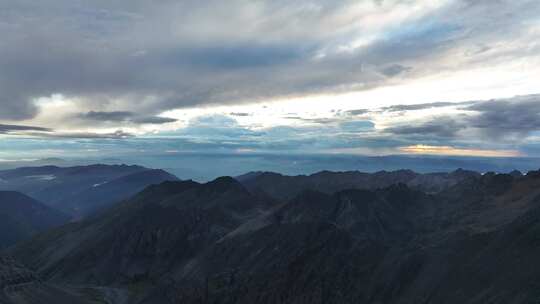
(119, 78)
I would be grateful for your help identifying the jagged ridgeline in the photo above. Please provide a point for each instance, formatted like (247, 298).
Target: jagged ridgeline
(346, 237)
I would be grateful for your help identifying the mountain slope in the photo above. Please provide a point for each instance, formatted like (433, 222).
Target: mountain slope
(309, 255)
(179, 230)
(140, 240)
(476, 241)
(318, 247)
(22, 216)
(18, 285)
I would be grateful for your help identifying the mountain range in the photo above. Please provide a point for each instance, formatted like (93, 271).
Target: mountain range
(331, 237)
(286, 187)
(82, 190)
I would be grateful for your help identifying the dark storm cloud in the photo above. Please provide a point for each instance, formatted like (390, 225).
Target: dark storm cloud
(155, 120)
(107, 116)
(124, 116)
(504, 119)
(442, 127)
(424, 106)
(33, 131)
(234, 57)
(83, 135)
(507, 117)
(6, 129)
(151, 57)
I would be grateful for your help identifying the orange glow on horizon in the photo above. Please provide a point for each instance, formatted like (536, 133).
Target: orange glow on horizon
(448, 150)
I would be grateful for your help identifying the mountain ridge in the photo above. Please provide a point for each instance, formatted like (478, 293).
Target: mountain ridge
(285, 187)
(221, 242)
(81, 190)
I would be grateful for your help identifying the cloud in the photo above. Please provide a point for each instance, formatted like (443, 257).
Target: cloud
(444, 127)
(8, 129)
(122, 64)
(107, 116)
(124, 116)
(357, 112)
(424, 106)
(48, 133)
(224, 133)
(513, 121)
(394, 70)
(216, 128)
(509, 120)
(357, 126)
(319, 120)
(514, 117)
(120, 55)
(40, 132)
(154, 120)
(119, 134)
(241, 114)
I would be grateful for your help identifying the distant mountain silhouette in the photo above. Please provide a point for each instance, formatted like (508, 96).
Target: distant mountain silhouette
(286, 187)
(22, 216)
(462, 237)
(102, 195)
(82, 190)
